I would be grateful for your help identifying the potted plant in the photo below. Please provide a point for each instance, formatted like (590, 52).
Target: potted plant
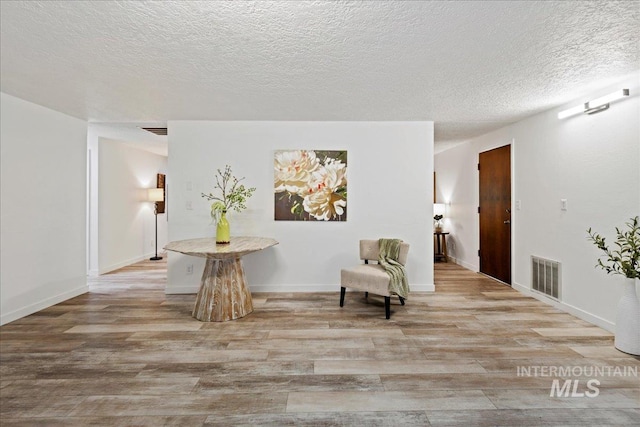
(233, 195)
(623, 258)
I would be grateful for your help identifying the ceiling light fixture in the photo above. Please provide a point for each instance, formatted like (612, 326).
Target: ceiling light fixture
(595, 106)
(578, 109)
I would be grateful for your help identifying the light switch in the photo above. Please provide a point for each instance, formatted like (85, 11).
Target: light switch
(563, 204)
(188, 205)
(518, 205)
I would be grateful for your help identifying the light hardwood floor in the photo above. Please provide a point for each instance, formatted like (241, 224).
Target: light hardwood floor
(127, 354)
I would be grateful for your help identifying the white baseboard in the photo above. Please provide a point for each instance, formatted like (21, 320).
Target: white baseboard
(291, 288)
(584, 315)
(124, 263)
(41, 305)
(176, 290)
(334, 287)
(295, 288)
(466, 265)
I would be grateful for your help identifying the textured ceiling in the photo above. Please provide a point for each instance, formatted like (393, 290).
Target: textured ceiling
(471, 67)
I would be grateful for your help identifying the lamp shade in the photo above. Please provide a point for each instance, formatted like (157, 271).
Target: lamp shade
(438, 209)
(155, 194)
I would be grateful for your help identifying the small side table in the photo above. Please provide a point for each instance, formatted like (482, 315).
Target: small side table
(440, 245)
(223, 293)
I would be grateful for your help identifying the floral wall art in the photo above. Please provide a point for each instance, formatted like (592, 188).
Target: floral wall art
(310, 185)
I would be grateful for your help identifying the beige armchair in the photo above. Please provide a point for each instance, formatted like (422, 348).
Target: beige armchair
(371, 277)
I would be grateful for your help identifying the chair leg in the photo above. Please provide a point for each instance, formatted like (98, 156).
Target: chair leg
(401, 300)
(342, 291)
(366, 294)
(387, 306)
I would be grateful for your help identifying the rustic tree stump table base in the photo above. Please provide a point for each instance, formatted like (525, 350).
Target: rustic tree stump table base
(223, 294)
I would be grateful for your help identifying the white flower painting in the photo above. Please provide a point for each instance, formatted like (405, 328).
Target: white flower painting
(310, 185)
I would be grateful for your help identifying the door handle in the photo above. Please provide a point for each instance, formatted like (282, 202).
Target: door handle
(508, 211)
(507, 221)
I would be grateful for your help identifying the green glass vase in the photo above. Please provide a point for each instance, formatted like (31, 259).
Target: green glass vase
(222, 230)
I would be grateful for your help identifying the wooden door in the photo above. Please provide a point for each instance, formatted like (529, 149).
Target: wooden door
(495, 213)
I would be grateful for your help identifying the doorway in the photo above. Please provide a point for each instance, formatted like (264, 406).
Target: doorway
(495, 213)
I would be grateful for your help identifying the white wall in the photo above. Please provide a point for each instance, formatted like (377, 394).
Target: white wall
(126, 223)
(93, 172)
(590, 160)
(390, 184)
(456, 186)
(43, 166)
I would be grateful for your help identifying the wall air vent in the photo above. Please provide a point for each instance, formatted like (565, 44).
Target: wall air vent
(157, 131)
(545, 277)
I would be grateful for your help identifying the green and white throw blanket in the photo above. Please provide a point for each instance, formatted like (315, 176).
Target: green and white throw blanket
(388, 259)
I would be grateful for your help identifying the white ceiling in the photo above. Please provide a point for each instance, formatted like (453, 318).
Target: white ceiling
(471, 67)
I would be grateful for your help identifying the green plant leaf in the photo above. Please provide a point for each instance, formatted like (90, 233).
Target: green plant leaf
(625, 260)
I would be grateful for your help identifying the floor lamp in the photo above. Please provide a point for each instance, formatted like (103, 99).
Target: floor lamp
(156, 195)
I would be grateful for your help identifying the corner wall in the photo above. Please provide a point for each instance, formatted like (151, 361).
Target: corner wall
(126, 223)
(390, 183)
(590, 160)
(43, 189)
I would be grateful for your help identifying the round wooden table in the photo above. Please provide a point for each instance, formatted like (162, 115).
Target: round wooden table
(223, 293)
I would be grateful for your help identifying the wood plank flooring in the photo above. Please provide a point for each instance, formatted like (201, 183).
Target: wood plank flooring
(127, 354)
